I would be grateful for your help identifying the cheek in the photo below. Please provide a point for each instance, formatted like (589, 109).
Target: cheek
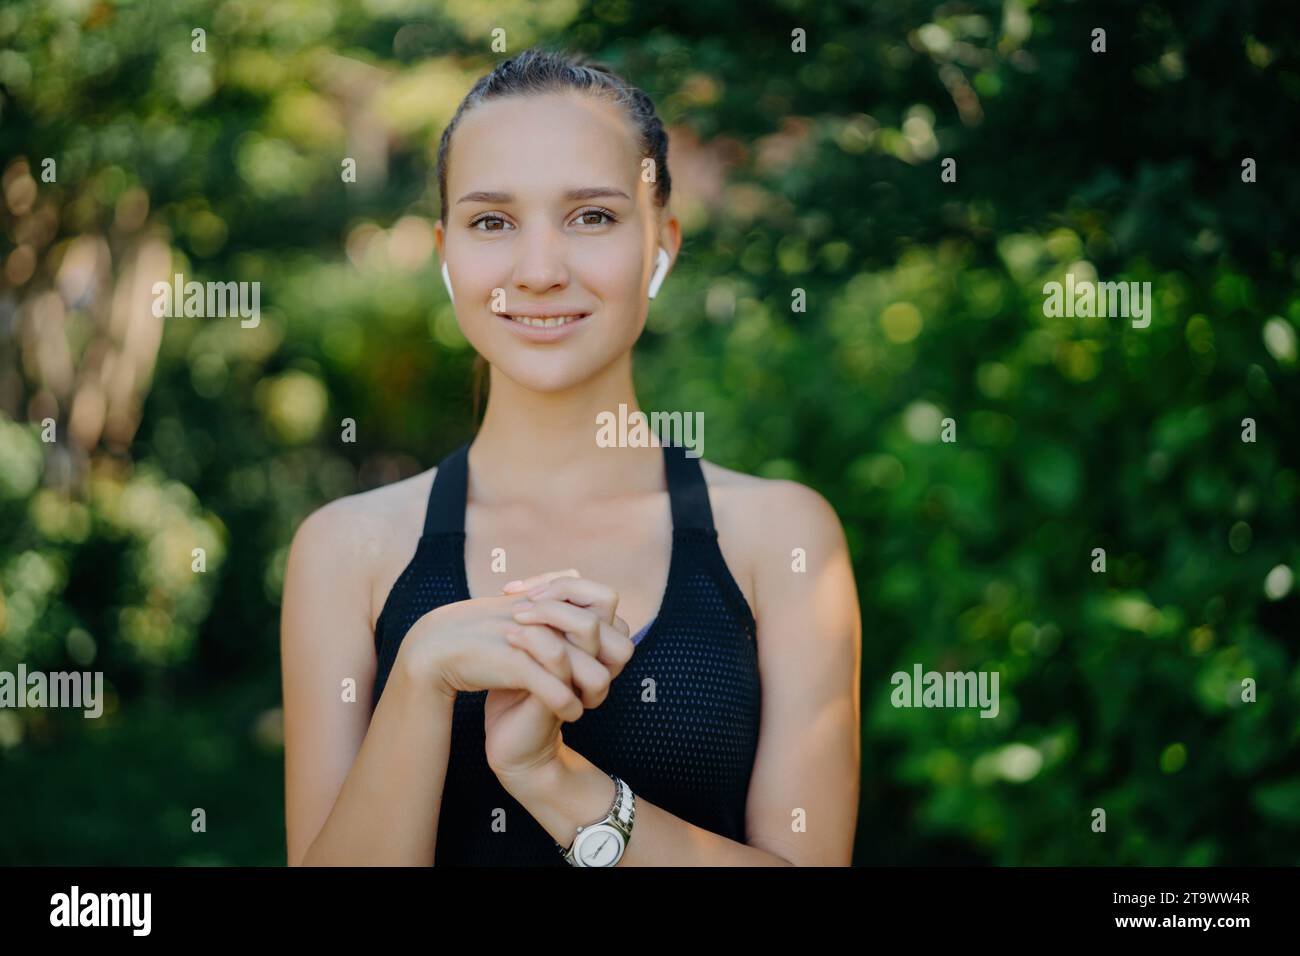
(484, 287)
(611, 275)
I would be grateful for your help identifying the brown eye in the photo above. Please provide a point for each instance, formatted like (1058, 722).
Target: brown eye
(475, 223)
(597, 212)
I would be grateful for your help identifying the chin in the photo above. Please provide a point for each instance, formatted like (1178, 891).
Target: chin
(549, 374)
(550, 368)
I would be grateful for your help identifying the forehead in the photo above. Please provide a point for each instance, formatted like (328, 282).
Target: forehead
(547, 141)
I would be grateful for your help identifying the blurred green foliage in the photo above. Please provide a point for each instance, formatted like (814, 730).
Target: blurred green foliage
(1120, 691)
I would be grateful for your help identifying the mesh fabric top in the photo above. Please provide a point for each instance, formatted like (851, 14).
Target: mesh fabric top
(680, 723)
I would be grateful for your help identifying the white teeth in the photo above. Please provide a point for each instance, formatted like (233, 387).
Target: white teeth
(548, 322)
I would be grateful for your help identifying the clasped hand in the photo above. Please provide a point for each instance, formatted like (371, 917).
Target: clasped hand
(563, 645)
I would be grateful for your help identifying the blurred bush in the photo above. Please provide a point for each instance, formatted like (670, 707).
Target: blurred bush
(816, 172)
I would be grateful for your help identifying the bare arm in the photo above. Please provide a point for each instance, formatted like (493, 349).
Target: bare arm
(804, 793)
(358, 791)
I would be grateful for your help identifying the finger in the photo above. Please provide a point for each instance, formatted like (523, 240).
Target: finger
(616, 647)
(590, 678)
(514, 587)
(601, 599)
(578, 624)
(606, 643)
(548, 648)
(549, 689)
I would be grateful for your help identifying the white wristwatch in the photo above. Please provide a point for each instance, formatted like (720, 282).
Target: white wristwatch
(603, 843)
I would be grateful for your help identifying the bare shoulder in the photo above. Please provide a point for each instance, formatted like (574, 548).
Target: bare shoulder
(765, 524)
(360, 535)
(769, 509)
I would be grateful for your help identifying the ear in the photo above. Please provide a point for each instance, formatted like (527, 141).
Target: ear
(669, 230)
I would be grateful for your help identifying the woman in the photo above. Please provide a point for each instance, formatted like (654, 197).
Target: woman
(525, 722)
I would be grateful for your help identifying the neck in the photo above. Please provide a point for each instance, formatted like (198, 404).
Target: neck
(542, 445)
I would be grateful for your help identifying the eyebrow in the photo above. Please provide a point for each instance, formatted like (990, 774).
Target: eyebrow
(573, 195)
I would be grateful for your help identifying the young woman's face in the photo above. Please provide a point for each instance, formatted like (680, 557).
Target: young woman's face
(547, 212)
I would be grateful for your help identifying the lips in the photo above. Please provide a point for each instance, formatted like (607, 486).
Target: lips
(548, 321)
(545, 328)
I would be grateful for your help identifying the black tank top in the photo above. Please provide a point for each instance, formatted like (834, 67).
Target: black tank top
(680, 723)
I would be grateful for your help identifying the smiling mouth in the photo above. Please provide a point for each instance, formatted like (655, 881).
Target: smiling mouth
(549, 322)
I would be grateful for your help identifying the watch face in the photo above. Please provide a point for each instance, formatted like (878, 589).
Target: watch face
(600, 845)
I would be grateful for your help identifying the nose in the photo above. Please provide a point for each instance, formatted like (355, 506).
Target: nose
(540, 261)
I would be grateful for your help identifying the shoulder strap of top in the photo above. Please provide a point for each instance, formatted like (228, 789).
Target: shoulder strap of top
(687, 490)
(446, 509)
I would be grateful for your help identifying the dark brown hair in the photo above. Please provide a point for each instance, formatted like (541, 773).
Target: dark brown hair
(538, 70)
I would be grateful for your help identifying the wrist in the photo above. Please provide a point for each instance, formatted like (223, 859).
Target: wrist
(566, 792)
(419, 662)
(542, 780)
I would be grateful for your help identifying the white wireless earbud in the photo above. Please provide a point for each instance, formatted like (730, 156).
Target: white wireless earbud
(661, 270)
(446, 280)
